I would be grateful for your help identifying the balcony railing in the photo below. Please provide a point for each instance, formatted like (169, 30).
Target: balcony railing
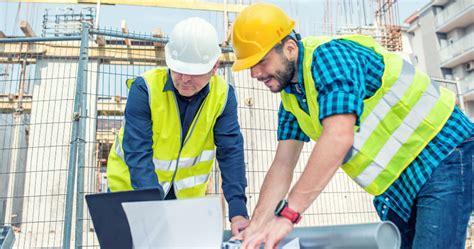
(452, 10)
(467, 84)
(457, 48)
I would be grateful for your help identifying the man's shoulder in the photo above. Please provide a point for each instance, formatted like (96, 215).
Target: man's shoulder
(140, 83)
(335, 45)
(220, 84)
(217, 79)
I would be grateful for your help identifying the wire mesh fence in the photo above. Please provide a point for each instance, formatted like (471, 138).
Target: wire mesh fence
(37, 92)
(62, 103)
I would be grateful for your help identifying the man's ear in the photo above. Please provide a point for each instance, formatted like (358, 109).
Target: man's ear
(215, 67)
(290, 48)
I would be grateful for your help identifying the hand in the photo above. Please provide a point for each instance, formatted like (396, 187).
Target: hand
(271, 234)
(257, 223)
(238, 223)
(249, 230)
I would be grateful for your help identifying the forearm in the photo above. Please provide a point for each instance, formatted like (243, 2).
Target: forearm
(274, 188)
(138, 155)
(234, 193)
(325, 159)
(278, 179)
(230, 155)
(139, 162)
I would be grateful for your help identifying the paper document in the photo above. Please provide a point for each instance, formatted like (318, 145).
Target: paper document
(191, 223)
(294, 244)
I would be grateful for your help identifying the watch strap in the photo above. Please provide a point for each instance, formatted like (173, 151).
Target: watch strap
(284, 211)
(290, 214)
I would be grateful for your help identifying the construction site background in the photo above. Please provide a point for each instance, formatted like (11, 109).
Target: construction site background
(62, 97)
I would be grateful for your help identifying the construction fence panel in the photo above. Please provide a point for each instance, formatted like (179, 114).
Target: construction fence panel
(37, 93)
(115, 58)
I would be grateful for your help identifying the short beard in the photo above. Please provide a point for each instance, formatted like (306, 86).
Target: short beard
(284, 76)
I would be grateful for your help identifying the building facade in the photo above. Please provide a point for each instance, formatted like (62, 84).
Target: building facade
(445, 26)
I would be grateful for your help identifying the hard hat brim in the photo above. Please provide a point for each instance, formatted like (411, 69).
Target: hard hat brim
(245, 63)
(187, 67)
(249, 62)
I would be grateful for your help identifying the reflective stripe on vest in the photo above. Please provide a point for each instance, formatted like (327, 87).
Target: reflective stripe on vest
(191, 181)
(118, 149)
(400, 136)
(186, 182)
(164, 165)
(398, 121)
(184, 162)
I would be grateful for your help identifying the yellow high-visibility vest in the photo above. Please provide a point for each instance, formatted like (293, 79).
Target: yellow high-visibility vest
(398, 121)
(186, 166)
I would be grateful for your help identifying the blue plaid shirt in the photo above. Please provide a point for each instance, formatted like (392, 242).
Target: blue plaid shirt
(345, 74)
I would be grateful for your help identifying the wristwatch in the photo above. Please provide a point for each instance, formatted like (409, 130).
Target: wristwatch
(283, 210)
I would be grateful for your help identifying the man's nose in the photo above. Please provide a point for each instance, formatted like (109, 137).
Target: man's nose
(255, 72)
(186, 77)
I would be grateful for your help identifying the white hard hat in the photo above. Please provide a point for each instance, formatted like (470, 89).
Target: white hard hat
(193, 47)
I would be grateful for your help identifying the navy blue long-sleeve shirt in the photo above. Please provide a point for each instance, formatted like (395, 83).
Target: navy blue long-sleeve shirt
(137, 141)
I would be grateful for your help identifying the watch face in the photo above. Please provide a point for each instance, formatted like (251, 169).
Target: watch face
(280, 207)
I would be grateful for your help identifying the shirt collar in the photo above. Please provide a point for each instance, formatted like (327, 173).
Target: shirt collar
(169, 83)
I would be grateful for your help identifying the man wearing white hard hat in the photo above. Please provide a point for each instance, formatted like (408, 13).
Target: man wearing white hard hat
(177, 120)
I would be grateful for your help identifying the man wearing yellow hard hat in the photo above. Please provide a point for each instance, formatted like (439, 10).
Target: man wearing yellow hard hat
(175, 118)
(395, 133)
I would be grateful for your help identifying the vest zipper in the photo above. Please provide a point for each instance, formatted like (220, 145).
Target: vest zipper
(190, 131)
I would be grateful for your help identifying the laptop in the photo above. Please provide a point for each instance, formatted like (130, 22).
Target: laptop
(109, 219)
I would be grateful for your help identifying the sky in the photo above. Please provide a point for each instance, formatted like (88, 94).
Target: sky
(308, 14)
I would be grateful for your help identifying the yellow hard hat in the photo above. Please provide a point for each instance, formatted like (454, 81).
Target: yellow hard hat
(257, 29)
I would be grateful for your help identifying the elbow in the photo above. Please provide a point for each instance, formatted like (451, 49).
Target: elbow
(339, 131)
(344, 143)
(347, 140)
(341, 139)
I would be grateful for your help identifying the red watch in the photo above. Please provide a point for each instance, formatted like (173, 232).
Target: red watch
(283, 210)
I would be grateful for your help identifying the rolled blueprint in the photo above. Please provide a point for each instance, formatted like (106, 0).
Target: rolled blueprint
(373, 235)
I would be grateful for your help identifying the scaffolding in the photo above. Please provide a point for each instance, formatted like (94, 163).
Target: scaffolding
(375, 18)
(66, 21)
